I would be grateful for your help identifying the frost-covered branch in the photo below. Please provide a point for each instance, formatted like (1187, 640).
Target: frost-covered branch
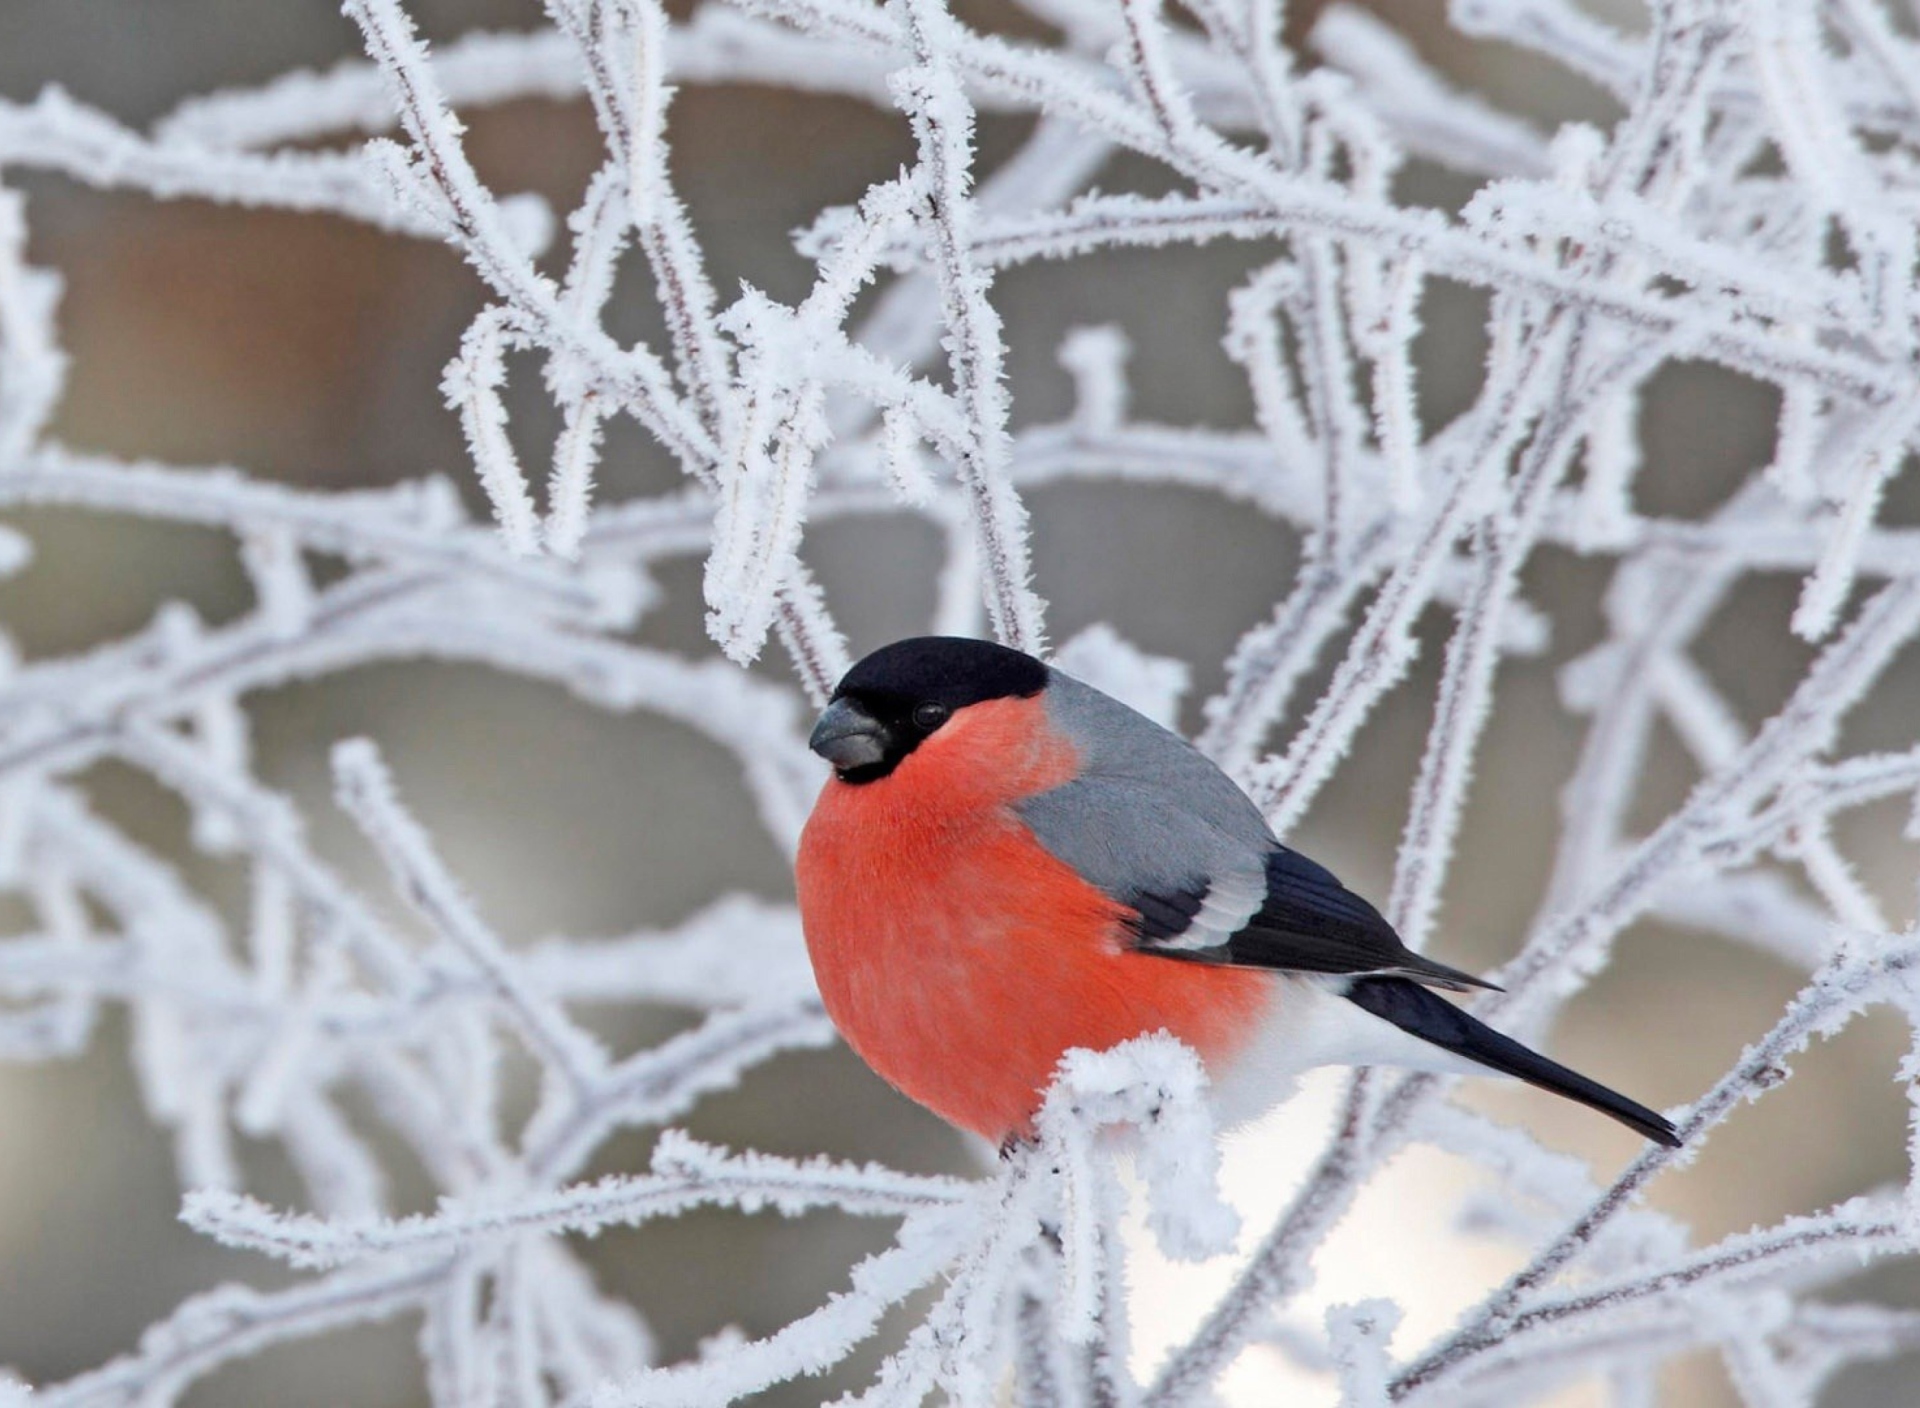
(1750, 206)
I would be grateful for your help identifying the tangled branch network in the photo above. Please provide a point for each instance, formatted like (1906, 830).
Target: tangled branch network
(1754, 206)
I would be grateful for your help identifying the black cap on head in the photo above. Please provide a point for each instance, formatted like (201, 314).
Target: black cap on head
(903, 692)
(950, 670)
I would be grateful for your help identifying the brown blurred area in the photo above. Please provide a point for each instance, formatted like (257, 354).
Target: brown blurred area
(309, 351)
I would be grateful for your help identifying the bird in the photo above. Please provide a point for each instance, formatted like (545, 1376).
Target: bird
(1006, 864)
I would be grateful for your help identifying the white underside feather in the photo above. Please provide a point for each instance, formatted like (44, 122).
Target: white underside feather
(1310, 1023)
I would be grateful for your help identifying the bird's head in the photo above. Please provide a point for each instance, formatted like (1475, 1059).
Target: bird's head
(902, 694)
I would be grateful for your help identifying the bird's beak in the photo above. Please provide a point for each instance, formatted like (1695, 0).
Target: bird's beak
(849, 737)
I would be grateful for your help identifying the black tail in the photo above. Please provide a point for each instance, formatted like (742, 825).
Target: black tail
(1424, 1014)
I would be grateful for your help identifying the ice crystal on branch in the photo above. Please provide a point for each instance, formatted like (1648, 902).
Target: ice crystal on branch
(1753, 205)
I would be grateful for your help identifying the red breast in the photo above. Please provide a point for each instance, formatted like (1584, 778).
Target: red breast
(959, 957)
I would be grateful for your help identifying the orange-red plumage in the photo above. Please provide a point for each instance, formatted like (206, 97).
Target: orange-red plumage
(959, 957)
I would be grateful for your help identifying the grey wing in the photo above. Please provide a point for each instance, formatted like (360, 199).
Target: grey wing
(1152, 822)
(1191, 887)
(1159, 828)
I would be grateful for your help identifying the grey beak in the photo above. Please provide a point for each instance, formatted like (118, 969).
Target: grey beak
(849, 737)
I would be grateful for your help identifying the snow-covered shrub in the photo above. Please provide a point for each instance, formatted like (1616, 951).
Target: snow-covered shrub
(1753, 206)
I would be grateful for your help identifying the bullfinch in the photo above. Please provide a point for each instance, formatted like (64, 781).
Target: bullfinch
(1007, 863)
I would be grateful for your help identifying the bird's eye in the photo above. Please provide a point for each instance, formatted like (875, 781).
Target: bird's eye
(929, 716)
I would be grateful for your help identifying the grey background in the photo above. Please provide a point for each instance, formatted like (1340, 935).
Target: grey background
(309, 351)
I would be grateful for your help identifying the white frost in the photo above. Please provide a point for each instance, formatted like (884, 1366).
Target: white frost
(1751, 205)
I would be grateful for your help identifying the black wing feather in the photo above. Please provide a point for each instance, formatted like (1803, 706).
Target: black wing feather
(1166, 916)
(1308, 923)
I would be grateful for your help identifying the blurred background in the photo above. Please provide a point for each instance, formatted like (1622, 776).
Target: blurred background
(308, 351)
